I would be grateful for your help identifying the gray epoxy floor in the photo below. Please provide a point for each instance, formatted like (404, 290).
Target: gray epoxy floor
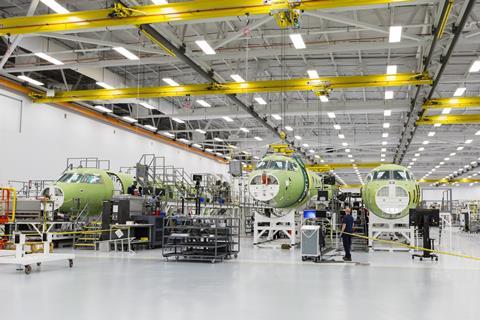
(260, 284)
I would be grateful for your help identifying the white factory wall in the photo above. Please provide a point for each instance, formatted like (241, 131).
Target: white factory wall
(36, 140)
(465, 192)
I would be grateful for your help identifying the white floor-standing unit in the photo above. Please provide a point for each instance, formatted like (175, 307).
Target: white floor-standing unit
(265, 228)
(390, 229)
(22, 259)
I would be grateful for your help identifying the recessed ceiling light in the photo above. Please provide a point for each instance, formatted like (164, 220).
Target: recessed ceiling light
(129, 119)
(48, 58)
(203, 103)
(237, 78)
(184, 140)
(298, 137)
(323, 98)
(297, 41)
(311, 151)
(244, 130)
(431, 133)
(218, 139)
(127, 54)
(385, 135)
(426, 142)
(421, 149)
(341, 136)
(177, 120)
(347, 150)
(52, 4)
(260, 100)
(312, 74)
(453, 154)
(288, 128)
(384, 150)
(258, 138)
(387, 112)
(392, 69)
(468, 141)
(205, 46)
(171, 82)
(331, 115)
(382, 155)
(436, 125)
(168, 134)
(104, 85)
(201, 131)
(103, 109)
(446, 110)
(460, 148)
(305, 145)
(395, 34)
(386, 125)
(459, 92)
(150, 127)
(276, 116)
(317, 156)
(349, 155)
(196, 145)
(344, 144)
(388, 95)
(384, 143)
(416, 155)
(337, 127)
(475, 66)
(227, 118)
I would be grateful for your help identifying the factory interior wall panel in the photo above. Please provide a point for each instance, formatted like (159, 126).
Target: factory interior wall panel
(36, 140)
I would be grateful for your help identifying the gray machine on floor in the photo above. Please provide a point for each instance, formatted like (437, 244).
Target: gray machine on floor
(312, 242)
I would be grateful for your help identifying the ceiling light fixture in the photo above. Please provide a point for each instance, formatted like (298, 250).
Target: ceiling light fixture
(276, 116)
(297, 41)
(203, 103)
(171, 82)
(312, 74)
(127, 54)
(395, 34)
(52, 4)
(104, 85)
(30, 80)
(260, 100)
(206, 48)
(48, 58)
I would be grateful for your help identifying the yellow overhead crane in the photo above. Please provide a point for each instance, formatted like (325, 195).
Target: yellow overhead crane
(321, 86)
(285, 11)
(453, 103)
(334, 166)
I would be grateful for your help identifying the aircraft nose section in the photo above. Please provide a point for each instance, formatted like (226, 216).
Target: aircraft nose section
(54, 196)
(264, 187)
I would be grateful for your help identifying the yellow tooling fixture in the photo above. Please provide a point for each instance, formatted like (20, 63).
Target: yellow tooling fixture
(334, 166)
(180, 11)
(460, 103)
(450, 119)
(321, 84)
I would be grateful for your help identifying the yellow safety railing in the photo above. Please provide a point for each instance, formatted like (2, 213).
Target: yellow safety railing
(8, 204)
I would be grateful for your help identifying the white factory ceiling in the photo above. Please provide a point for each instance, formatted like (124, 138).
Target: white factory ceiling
(357, 125)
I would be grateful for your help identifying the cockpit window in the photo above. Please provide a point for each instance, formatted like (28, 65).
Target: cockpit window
(369, 177)
(381, 175)
(91, 179)
(399, 175)
(262, 165)
(71, 178)
(292, 166)
(272, 164)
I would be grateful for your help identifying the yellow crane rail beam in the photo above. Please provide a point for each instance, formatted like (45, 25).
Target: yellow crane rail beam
(316, 85)
(334, 166)
(450, 119)
(459, 103)
(182, 11)
(462, 180)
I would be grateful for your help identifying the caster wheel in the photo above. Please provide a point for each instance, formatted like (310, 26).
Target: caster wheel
(236, 256)
(213, 261)
(28, 269)
(421, 259)
(304, 258)
(436, 259)
(70, 263)
(39, 264)
(413, 258)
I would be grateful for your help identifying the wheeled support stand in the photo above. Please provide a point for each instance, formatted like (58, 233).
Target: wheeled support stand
(265, 228)
(26, 261)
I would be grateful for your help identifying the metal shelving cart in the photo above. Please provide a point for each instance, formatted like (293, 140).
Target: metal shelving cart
(201, 238)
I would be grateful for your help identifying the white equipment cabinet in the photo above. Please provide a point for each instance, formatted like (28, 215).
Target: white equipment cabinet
(21, 259)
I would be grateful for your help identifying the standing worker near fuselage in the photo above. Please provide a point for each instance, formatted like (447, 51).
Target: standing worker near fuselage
(347, 227)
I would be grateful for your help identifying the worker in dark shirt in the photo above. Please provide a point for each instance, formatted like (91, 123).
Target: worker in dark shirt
(131, 190)
(347, 227)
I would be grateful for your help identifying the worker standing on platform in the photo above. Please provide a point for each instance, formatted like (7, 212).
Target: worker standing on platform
(347, 227)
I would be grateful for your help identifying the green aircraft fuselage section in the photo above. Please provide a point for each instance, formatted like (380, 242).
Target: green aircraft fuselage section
(79, 187)
(283, 182)
(390, 191)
